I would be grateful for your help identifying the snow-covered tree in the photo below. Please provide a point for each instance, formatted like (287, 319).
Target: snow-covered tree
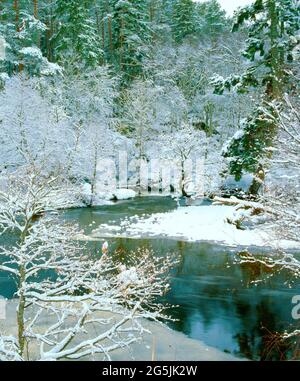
(89, 100)
(77, 43)
(20, 27)
(283, 178)
(64, 124)
(137, 117)
(183, 17)
(70, 305)
(211, 19)
(186, 146)
(28, 131)
(272, 26)
(281, 197)
(129, 35)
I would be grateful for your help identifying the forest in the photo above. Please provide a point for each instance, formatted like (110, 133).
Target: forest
(149, 178)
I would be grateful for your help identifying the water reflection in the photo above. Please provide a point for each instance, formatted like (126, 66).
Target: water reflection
(219, 303)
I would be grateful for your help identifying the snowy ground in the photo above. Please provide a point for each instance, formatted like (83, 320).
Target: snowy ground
(194, 223)
(163, 344)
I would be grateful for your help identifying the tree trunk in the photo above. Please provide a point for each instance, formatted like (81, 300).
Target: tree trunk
(16, 8)
(21, 311)
(97, 17)
(52, 31)
(17, 20)
(274, 89)
(257, 182)
(36, 16)
(110, 35)
(94, 176)
(35, 8)
(121, 41)
(22, 298)
(182, 185)
(103, 34)
(141, 153)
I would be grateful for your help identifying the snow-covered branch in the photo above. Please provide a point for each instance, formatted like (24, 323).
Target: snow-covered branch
(70, 305)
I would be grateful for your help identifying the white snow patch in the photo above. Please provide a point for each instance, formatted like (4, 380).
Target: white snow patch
(128, 277)
(100, 198)
(194, 223)
(200, 223)
(124, 194)
(105, 197)
(32, 51)
(4, 77)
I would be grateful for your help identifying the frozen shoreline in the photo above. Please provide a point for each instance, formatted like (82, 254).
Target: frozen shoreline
(164, 344)
(193, 224)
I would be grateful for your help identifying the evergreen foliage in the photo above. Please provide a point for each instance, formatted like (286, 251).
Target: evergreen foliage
(272, 26)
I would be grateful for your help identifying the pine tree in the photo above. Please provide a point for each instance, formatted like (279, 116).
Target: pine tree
(211, 18)
(156, 16)
(20, 28)
(77, 41)
(269, 48)
(131, 35)
(183, 23)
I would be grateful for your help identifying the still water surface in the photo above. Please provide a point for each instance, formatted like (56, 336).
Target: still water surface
(218, 303)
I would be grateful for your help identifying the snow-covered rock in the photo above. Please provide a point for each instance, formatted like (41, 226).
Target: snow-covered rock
(100, 198)
(123, 194)
(105, 197)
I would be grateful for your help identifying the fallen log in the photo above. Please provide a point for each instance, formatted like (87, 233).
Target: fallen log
(257, 208)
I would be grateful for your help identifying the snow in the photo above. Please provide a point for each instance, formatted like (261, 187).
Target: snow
(128, 276)
(32, 51)
(237, 136)
(194, 223)
(124, 194)
(169, 345)
(51, 69)
(98, 199)
(105, 197)
(4, 77)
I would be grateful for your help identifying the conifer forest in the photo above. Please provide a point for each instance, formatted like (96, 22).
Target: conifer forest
(149, 180)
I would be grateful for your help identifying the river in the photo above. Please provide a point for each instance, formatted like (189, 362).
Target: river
(219, 301)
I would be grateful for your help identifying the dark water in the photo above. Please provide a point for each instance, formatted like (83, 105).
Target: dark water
(218, 302)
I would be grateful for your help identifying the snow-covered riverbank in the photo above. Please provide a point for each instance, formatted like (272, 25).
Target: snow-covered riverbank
(163, 344)
(194, 223)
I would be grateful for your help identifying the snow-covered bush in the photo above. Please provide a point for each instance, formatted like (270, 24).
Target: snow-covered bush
(9, 349)
(282, 191)
(70, 305)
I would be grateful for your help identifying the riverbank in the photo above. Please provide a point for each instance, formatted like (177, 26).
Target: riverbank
(210, 223)
(163, 344)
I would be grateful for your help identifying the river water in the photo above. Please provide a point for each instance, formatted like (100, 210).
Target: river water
(219, 301)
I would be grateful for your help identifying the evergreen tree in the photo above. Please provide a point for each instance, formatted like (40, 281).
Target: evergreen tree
(131, 35)
(20, 29)
(77, 40)
(211, 18)
(273, 25)
(183, 19)
(126, 33)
